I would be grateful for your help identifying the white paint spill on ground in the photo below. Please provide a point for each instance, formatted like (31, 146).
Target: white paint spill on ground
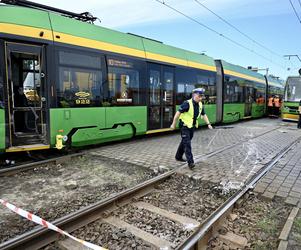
(251, 154)
(212, 139)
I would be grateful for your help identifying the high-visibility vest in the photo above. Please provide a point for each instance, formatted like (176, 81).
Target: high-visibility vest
(270, 103)
(187, 117)
(277, 102)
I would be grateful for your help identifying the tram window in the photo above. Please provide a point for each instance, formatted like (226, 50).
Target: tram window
(79, 60)
(30, 64)
(189, 79)
(185, 84)
(250, 94)
(168, 80)
(123, 82)
(26, 80)
(233, 91)
(155, 87)
(207, 81)
(80, 79)
(79, 87)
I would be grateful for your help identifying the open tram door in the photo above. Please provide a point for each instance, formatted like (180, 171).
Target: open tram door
(161, 98)
(26, 78)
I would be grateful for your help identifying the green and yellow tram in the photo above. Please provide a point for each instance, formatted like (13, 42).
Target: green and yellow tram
(292, 97)
(68, 82)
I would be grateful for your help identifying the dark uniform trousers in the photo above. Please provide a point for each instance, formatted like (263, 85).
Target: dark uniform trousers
(185, 144)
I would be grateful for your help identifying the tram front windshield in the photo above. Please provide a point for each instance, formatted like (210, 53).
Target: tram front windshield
(293, 89)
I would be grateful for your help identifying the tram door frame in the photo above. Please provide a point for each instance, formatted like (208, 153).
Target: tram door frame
(161, 97)
(34, 111)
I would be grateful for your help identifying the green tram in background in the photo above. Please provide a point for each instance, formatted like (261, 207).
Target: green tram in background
(292, 97)
(67, 82)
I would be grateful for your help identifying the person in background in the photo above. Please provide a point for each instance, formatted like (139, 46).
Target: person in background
(277, 105)
(270, 105)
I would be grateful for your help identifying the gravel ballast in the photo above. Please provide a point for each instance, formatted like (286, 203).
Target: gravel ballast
(56, 190)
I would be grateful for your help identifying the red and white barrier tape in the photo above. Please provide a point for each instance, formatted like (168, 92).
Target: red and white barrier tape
(46, 224)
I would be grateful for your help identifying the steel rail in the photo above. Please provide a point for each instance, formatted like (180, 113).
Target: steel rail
(28, 166)
(40, 237)
(220, 211)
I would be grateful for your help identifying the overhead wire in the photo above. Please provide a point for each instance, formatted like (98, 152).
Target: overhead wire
(296, 13)
(239, 31)
(217, 33)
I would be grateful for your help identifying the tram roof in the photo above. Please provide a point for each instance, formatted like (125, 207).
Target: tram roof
(24, 21)
(239, 71)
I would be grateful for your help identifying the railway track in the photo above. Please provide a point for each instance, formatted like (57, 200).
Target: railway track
(225, 208)
(103, 210)
(30, 165)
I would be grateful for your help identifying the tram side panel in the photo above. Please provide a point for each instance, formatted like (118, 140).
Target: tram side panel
(96, 102)
(124, 97)
(243, 93)
(233, 106)
(87, 126)
(259, 100)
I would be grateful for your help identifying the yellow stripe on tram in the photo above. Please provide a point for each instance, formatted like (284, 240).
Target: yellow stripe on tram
(27, 31)
(233, 73)
(21, 30)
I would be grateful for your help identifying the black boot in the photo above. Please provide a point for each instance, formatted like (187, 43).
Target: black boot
(191, 165)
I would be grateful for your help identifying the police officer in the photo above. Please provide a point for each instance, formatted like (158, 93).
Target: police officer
(188, 115)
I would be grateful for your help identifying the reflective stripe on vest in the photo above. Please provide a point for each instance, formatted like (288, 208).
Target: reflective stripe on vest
(187, 117)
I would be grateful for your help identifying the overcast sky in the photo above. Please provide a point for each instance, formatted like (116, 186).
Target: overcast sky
(271, 23)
